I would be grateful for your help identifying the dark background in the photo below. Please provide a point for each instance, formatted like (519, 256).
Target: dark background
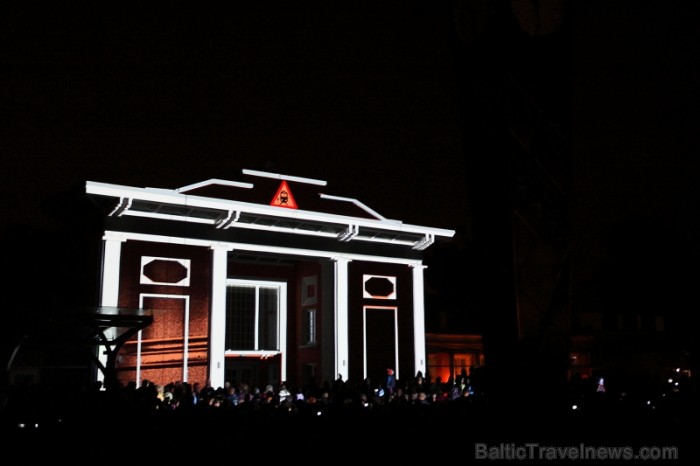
(361, 97)
(366, 97)
(415, 110)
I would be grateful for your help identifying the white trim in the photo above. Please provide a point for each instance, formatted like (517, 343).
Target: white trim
(342, 352)
(277, 176)
(184, 200)
(257, 248)
(186, 332)
(364, 337)
(263, 354)
(366, 294)
(419, 351)
(110, 268)
(217, 371)
(145, 280)
(201, 184)
(357, 203)
(111, 260)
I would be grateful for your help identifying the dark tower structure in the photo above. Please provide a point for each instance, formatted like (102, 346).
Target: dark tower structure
(512, 63)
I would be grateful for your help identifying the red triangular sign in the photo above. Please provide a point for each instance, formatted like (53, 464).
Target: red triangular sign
(283, 197)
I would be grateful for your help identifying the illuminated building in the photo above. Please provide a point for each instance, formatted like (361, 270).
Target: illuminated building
(261, 281)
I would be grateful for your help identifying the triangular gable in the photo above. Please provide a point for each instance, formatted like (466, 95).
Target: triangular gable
(283, 197)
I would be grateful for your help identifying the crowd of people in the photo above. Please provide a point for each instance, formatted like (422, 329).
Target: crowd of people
(153, 404)
(417, 405)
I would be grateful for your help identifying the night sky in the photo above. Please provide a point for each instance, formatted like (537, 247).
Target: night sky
(368, 98)
(362, 98)
(401, 105)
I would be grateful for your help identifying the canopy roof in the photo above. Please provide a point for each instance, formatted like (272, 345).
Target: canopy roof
(222, 212)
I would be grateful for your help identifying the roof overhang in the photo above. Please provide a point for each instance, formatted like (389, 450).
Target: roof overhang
(174, 205)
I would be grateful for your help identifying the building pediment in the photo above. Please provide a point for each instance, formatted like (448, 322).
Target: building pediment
(344, 219)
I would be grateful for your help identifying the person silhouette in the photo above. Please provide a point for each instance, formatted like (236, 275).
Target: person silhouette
(390, 383)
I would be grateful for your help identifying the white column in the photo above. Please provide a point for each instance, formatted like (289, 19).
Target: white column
(341, 316)
(283, 331)
(217, 322)
(419, 319)
(110, 269)
(110, 284)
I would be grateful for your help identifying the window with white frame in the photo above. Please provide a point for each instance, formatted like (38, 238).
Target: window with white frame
(252, 316)
(309, 326)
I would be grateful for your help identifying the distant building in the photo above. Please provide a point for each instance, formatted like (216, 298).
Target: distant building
(259, 282)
